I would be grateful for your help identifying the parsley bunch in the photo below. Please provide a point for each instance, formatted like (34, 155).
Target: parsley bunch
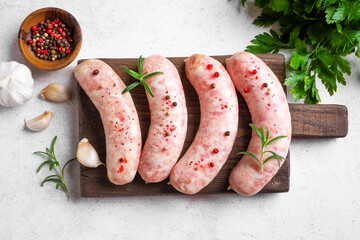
(322, 32)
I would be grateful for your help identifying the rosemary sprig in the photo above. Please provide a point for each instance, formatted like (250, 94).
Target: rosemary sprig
(139, 76)
(264, 142)
(52, 161)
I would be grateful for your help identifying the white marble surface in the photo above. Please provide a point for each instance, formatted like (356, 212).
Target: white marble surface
(324, 199)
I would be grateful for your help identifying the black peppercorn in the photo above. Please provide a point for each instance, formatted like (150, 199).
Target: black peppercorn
(167, 97)
(227, 133)
(213, 85)
(174, 104)
(96, 72)
(265, 84)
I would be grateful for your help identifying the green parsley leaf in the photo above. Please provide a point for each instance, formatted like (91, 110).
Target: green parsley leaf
(267, 17)
(280, 5)
(261, 3)
(264, 43)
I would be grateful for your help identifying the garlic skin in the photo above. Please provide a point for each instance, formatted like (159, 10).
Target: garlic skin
(16, 84)
(87, 155)
(56, 92)
(39, 123)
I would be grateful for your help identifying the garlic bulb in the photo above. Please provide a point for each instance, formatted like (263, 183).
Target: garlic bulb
(56, 92)
(16, 84)
(87, 155)
(39, 123)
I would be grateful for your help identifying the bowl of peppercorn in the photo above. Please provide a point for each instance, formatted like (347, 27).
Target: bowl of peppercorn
(50, 38)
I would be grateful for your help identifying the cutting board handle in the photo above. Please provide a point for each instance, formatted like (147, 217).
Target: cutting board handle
(319, 120)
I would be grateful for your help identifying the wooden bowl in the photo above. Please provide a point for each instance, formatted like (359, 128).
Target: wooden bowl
(40, 16)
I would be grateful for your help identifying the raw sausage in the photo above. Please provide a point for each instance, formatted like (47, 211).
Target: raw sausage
(268, 106)
(218, 125)
(167, 131)
(119, 117)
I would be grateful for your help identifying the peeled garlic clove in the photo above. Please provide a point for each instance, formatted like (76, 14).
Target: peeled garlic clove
(87, 155)
(56, 92)
(40, 122)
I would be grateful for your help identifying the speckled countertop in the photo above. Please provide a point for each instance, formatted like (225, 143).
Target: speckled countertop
(324, 197)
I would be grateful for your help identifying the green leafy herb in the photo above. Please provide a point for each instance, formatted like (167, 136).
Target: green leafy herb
(53, 162)
(139, 76)
(264, 143)
(321, 33)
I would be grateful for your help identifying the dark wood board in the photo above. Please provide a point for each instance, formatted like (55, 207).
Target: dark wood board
(308, 121)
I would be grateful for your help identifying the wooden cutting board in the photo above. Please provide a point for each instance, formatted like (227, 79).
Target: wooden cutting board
(308, 121)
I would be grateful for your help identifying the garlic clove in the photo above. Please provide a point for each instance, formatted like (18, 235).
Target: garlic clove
(56, 92)
(39, 123)
(87, 155)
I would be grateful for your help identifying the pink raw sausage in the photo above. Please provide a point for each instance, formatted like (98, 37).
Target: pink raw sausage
(268, 106)
(119, 117)
(167, 131)
(218, 125)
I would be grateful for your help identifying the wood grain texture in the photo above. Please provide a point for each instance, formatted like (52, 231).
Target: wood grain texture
(40, 16)
(94, 182)
(322, 121)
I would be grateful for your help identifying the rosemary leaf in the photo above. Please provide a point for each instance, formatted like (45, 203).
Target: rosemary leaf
(132, 73)
(146, 86)
(59, 178)
(152, 74)
(264, 138)
(39, 168)
(140, 77)
(273, 140)
(131, 86)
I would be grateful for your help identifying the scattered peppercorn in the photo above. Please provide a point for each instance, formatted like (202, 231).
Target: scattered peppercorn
(216, 150)
(227, 133)
(213, 85)
(209, 66)
(216, 74)
(265, 85)
(211, 164)
(254, 71)
(96, 72)
(167, 133)
(166, 148)
(174, 104)
(167, 97)
(51, 40)
(167, 113)
(246, 90)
